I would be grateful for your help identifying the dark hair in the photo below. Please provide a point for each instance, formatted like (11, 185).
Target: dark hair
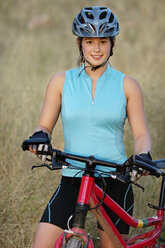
(81, 59)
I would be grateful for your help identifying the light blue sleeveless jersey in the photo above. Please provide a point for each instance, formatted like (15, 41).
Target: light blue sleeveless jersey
(93, 126)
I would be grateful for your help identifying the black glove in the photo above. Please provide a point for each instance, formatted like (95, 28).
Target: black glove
(138, 172)
(41, 135)
(146, 156)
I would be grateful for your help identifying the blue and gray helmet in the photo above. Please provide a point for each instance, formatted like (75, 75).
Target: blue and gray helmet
(95, 22)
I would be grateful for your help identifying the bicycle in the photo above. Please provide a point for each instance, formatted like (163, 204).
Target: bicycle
(91, 197)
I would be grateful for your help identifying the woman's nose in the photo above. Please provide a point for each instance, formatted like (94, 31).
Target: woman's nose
(97, 47)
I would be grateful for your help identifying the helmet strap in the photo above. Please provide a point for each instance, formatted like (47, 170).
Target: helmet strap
(93, 68)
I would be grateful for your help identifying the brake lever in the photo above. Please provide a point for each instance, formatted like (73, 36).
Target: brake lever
(49, 166)
(138, 185)
(42, 165)
(128, 180)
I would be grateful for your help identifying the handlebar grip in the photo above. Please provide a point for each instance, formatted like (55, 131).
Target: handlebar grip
(160, 164)
(26, 143)
(148, 165)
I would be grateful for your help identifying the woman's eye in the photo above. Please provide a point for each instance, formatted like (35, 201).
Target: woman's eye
(103, 42)
(89, 42)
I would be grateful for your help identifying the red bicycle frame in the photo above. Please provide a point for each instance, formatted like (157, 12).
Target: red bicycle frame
(90, 194)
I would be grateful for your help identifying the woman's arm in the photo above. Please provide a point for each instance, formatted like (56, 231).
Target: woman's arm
(52, 104)
(136, 116)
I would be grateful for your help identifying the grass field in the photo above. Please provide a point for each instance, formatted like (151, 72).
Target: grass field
(35, 42)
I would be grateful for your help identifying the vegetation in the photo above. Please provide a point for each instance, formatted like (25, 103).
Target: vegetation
(35, 42)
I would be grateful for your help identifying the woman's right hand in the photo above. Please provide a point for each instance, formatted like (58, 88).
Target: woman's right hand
(45, 143)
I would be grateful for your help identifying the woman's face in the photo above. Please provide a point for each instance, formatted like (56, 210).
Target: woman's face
(96, 50)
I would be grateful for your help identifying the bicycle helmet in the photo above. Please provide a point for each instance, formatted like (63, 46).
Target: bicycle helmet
(95, 22)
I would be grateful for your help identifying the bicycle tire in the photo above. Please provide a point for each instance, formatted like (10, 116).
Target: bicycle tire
(74, 243)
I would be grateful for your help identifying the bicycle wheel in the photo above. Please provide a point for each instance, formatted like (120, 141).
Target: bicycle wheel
(75, 243)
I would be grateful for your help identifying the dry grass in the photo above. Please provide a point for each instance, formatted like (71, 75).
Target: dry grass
(28, 57)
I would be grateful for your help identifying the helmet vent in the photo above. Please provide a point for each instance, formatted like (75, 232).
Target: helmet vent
(89, 15)
(82, 30)
(110, 30)
(81, 19)
(102, 26)
(88, 8)
(111, 18)
(92, 27)
(103, 15)
(75, 27)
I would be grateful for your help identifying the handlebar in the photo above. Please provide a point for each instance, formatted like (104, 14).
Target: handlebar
(154, 167)
(30, 142)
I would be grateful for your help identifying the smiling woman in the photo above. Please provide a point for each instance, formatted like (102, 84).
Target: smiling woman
(96, 50)
(94, 101)
(100, 41)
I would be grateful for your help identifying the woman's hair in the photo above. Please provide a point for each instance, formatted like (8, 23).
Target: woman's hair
(81, 58)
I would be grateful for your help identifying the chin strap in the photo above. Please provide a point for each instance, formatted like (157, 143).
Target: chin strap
(93, 68)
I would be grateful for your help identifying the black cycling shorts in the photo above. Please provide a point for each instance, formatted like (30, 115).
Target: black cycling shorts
(63, 202)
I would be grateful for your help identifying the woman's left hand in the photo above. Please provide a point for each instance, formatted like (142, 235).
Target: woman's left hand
(138, 172)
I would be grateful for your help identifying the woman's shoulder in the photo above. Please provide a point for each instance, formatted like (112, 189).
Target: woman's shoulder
(131, 86)
(61, 76)
(130, 82)
(57, 77)
(56, 82)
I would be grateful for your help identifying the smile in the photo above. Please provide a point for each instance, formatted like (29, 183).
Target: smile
(96, 57)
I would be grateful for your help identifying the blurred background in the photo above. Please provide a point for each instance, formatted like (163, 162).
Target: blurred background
(35, 42)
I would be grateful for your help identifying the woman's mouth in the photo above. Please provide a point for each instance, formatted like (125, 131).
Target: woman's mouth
(96, 57)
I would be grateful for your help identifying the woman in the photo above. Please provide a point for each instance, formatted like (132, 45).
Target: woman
(94, 101)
